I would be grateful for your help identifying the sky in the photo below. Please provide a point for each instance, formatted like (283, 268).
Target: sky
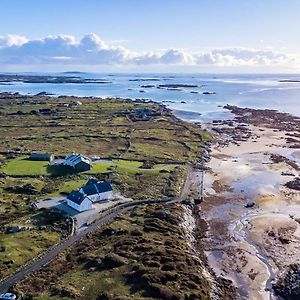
(157, 35)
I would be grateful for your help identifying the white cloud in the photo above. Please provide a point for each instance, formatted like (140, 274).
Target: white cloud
(92, 50)
(12, 40)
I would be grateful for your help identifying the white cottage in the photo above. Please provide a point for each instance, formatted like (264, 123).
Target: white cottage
(79, 202)
(93, 191)
(97, 190)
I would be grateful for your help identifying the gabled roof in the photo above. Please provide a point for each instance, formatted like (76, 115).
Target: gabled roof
(94, 186)
(104, 186)
(74, 159)
(76, 197)
(90, 189)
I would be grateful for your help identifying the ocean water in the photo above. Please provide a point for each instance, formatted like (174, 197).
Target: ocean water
(255, 91)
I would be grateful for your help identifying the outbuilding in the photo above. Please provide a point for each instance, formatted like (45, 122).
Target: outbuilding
(78, 162)
(41, 156)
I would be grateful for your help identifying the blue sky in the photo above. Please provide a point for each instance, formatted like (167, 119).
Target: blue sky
(141, 29)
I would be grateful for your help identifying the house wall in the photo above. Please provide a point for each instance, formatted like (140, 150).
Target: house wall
(82, 166)
(106, 195)
(85, 205)
(73, 204)
(101, 196)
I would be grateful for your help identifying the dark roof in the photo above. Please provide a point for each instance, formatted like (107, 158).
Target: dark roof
(104, 186)
(76, 197)
(95, 187)
(92, 181)
(40, 155)
(75, 159)
(90, 189)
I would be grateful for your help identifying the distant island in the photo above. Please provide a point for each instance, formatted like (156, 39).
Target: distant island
(9, 78)
(290, 80)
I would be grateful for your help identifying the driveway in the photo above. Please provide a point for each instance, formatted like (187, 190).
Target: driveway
(83, 219)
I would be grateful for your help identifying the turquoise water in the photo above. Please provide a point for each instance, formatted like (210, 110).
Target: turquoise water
(256, 91)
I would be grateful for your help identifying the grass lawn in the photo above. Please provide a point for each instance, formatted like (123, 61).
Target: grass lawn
(19, 247)
(72, 185)
(24, 166)
(123, 169)
(129, 163)
(67, 187)
(99, 167)
(164, 167)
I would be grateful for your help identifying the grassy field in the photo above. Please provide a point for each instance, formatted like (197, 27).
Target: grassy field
(147, 157)
(17, 248)
(67, 187)
(23, 166)
(96, 128)
(99, 167)
(128, 163)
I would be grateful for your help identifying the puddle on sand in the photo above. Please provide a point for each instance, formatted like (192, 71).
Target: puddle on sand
(252, 175)
(259, 184)
(290, 153)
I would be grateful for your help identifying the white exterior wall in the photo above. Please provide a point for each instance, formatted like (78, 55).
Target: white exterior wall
(85, 205)
(94, 198)
(100, 197)
(106, 195)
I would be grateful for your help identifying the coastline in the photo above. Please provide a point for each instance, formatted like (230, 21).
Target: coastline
(247, 148)
(251, 163)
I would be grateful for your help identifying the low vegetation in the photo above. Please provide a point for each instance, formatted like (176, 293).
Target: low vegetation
(142, 159)
(141, 255)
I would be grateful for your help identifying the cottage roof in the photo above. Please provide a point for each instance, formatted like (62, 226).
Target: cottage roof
(76, 197)
(93, 187)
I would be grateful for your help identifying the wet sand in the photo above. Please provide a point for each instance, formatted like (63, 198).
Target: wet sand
(252, 246)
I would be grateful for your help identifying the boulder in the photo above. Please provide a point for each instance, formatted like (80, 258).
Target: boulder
(250, 204)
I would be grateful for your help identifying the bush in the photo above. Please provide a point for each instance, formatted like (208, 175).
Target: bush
(113, 260)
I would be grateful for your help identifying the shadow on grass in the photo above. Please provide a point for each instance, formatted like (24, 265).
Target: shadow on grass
(57, 171)
(48, 217)
(67, 210)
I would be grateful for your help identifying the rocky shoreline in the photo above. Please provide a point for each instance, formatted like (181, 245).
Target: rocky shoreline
(253, 152)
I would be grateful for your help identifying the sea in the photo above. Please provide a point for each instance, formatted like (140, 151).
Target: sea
(203, 102)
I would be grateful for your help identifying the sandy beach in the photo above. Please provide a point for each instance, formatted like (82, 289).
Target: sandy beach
(255, 245)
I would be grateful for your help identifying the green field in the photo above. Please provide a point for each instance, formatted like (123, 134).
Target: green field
(99, 167)
(17, 248)
(128, 163)
(22, 166)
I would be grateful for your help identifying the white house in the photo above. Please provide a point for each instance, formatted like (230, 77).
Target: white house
(97, 190)
(92, 191)
(79, 202)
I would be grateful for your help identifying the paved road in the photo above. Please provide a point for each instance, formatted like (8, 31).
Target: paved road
(52, 253)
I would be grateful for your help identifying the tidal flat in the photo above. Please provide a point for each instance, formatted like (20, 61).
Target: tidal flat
(251, 207)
